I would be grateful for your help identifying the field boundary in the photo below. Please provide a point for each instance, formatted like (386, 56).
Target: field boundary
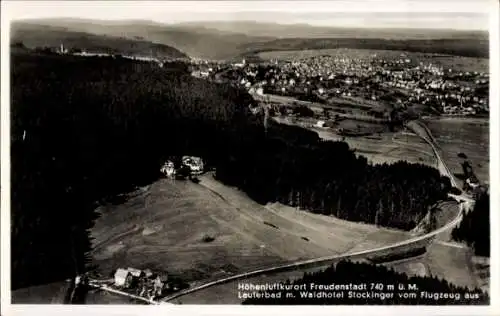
(424, 239)
(326, 260)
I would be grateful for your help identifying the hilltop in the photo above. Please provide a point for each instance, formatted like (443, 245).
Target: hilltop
(44, 36)
(453, 47)
(302, 30)
(194, 41)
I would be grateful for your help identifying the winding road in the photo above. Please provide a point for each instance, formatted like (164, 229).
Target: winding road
(400, 247)
(413, 243)
(423, 132)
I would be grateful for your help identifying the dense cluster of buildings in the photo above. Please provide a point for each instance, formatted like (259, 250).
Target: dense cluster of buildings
(144, 283)
(400, 80)
(187, 166)
(160, 61)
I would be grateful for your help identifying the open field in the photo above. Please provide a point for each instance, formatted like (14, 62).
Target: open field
(381, 146)
(360, 127)
(446, 61)
(150, 230)
(481, 268)
(387, 147)
(226, 293)
(470, 136)
(452, 264)
(358, 102)
(447, 212)
(446, 259)
(411, 267)
(345, 107)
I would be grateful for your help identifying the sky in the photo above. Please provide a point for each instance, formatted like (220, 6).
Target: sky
(449, 14)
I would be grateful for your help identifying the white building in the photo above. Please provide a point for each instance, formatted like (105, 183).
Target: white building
(195, 164)
(168, 169)
(240, 65)
(320, 123)
(123, 278)
(135, 272)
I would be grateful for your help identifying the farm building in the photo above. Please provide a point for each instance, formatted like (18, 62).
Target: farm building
(136, 273)
(195, 164)
(320, 123)
(472, 182)
(123, 278)
(158, 285)
(168, 169)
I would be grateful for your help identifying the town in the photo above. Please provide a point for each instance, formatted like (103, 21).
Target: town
(334, 79)
(165, 159)
(330, 80)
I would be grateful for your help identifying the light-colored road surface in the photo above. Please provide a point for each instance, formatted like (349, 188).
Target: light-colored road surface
(95, 284)
(451, 244)
(421, 130)
(225, 286)
(416, 242)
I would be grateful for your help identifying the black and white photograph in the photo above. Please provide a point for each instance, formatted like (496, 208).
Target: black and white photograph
(248, 153)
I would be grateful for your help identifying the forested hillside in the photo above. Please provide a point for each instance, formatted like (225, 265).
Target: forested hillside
(327, 178)
(346, 272)
(86, 129)
(43, 36)
(193, 41)
(478, 47)
(475, 227)
(227, 40)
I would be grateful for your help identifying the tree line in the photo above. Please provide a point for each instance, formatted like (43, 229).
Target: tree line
(478, 47)
(86, 129)
(294, 167)
(380, 277)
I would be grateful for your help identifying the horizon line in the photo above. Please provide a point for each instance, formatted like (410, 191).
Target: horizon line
(167, 23)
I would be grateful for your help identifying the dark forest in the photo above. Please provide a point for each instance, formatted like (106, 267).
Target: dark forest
(475, 227)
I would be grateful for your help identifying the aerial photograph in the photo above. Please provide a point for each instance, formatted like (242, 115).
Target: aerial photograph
(249, 154)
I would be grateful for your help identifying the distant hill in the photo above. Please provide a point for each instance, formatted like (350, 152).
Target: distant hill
(193, 40)
(227, 40)
(252, 28)
(456, 47)
(33, 36)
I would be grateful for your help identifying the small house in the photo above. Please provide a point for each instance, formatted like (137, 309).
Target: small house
(472, 182)
(136, 273)
(158, 286)
(168, 169)
(195, 164)
(123, 278)
(320, 124)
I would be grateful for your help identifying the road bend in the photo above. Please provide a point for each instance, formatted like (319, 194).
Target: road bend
(413, 243)
(409, 244)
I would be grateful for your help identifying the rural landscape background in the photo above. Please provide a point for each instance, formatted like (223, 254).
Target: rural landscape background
(156, 163)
